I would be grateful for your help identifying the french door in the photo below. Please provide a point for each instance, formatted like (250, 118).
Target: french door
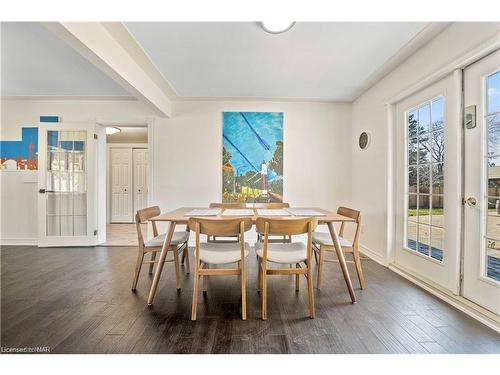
(67, 212)
(428, 187)
(481, 263)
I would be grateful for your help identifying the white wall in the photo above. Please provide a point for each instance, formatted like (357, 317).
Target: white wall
(369, 176)
(316, 155)
(187, 152)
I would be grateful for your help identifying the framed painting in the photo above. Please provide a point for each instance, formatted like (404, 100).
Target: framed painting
(252, 157)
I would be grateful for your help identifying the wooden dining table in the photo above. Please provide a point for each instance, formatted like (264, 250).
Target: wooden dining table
(181, 216)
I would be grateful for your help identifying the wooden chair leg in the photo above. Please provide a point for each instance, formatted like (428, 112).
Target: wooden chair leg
(264, 294)
(259, 277)
(310, 293)
(194, 306)
(321, 261)
(205, 279)
(359, 270)
(153, 258)
(183, 258)
(297, 279)
(315, 256)
(243, 291)
(137, 270)
(185, 255)
(177, 268)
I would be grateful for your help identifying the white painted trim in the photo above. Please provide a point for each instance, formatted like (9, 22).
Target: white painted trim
(373, 255)
(391, 184)
(126, 145)
(483, 49)
(19, 241)
(69, 97)
(471, 309)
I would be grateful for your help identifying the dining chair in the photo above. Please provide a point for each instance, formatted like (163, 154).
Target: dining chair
(178, 245)
(232, 239)
(322, 243)
(274, 205)
(215, 254)
(296, 253)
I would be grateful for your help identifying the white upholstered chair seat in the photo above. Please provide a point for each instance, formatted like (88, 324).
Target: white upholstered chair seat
(324, 239)
(177, 239)
(221, 253)
(284, 253)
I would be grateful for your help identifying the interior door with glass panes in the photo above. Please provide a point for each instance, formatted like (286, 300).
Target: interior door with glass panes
(481, 270)
(428, 183)
(66, 199)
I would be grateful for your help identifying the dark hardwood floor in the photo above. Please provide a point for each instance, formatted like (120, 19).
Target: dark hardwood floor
(78, 300)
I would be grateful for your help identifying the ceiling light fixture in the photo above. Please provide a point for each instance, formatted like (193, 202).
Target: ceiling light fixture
(110, 130)
(276, 27)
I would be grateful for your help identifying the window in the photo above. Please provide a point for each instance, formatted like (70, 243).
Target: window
(492, 195)
(425, 179)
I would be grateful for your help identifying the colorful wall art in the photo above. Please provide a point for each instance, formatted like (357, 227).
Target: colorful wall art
(22, 154)
(252, 157)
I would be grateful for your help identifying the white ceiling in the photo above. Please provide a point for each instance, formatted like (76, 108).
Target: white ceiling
(36, 62)
(329, 61)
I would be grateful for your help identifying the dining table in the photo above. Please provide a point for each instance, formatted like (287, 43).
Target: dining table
(181, 216)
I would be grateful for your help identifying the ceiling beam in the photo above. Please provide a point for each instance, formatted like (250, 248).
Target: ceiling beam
(109, 48)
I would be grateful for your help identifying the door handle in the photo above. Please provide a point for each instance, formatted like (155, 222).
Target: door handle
(43, 191)
(471, 201)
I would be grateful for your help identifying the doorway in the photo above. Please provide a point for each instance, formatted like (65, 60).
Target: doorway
(128, 180)
(448, 185)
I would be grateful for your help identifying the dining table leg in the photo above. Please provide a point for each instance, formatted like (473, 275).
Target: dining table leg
(161, 262)
(342, 262)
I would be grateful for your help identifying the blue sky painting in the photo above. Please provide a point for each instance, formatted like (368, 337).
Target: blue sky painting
(251, 139)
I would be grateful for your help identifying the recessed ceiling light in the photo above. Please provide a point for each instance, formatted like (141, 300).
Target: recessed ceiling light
(276, 26)
(110, 130)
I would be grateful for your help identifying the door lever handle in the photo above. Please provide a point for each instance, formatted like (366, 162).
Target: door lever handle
(471, 201)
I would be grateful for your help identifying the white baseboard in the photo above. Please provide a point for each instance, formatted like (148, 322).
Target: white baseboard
(372, 255)
(474, 311)
(19, 241)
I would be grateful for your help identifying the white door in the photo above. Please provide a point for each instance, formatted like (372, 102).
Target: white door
(67, 212)
(428, 188)
(140, 157)
(121, 185)
(481, 278)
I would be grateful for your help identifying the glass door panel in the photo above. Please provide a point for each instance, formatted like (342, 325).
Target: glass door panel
(66, 183)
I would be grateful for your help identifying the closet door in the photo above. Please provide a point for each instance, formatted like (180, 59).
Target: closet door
(140, 157)
(121, 185)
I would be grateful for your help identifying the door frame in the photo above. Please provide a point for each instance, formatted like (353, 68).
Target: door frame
(145, 122)
(109, 147)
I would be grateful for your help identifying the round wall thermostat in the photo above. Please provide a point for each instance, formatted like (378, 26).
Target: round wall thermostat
(364, 140)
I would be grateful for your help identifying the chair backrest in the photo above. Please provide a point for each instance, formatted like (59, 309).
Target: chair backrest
(353, 214)
(349, 212)
(286, 226)
(222, 227)
(271, 205)
(147, 213)
(144, 215)
(227, 205)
